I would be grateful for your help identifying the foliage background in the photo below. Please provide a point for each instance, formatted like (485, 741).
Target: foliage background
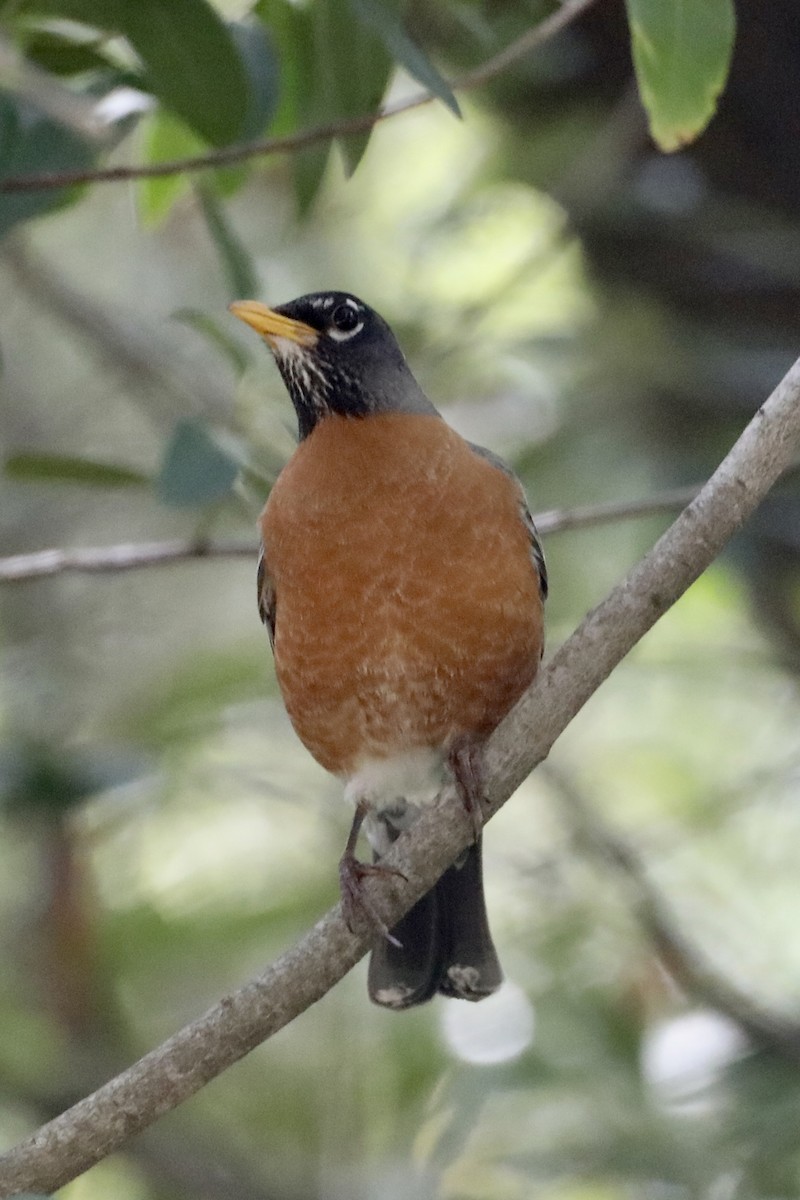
(603, 315)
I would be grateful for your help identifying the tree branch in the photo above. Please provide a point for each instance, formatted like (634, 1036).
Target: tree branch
(93, 560)
(556, 520)
(178, 1068)
(494, 66)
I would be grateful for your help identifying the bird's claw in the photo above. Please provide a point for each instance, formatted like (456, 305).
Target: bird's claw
(466, 764)
(356, 905)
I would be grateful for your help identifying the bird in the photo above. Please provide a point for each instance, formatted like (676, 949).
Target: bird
(402, 584)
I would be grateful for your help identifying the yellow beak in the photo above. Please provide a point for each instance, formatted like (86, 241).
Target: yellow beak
(271, 324)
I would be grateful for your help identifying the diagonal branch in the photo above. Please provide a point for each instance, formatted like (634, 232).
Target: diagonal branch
(93, 560)
(289, 143)
(104, 1121)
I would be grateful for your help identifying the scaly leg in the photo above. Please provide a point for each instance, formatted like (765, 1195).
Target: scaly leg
(356, 906)
(466, 765)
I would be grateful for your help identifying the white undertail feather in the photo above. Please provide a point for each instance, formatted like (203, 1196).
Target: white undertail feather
(395, 789)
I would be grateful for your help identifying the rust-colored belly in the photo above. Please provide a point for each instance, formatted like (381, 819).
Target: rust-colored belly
(408, 611)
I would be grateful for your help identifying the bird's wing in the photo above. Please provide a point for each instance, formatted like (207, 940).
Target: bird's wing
(266, 597)
(537, 553)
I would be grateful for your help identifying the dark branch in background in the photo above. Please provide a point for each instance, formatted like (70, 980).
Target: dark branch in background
(292, 142)
(94, 560)
(685, 962)
(168, 1075)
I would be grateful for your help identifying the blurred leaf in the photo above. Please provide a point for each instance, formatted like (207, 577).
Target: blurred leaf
(352, 70)
(261, 67)
(286, 24)
(65, 468)
(334, 66)
(292, 28)
(384, 17)
(239, 270)
(36, 778)
(228, 180)
(166, 138)
(62, 55)
(196, 470)
(211, 330)
(682, 52)
(261, 64)
(30, 142)
(308, 171)
(191, 62)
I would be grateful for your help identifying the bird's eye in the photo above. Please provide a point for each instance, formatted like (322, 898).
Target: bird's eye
(345, 318)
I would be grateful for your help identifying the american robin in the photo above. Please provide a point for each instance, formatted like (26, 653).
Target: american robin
(402, 584)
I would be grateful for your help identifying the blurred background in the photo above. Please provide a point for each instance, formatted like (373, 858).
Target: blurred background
(605, 316)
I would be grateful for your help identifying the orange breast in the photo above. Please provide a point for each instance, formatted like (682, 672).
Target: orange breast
(408, 611)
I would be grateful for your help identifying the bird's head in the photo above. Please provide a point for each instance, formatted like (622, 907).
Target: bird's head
(336, 355)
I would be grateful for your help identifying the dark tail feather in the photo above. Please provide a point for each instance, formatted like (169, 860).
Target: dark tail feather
(408, 974)
(470, 967)
(445, 944)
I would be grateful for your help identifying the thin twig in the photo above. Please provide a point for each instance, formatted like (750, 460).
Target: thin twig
(288, 143)
(557, 520)
(521, 46)
(168, 1075)
(94, 560)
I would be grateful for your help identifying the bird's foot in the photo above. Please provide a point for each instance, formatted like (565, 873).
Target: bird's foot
(357, 908)
(466, 764)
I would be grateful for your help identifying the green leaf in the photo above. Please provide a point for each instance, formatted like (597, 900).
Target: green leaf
(308, 172)
(262, 71)
(195, 470)
(384, 18)
(352, 68)
(236, 262)
(681, 51)
(166, 138)
(61, 55)
(261, 66)
(190, 60)
(292, 29)
(333, 66)
(287, 26)
(30, 142)
(64, 468)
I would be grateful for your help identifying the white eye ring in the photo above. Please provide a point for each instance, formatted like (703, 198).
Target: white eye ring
(341, 335)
